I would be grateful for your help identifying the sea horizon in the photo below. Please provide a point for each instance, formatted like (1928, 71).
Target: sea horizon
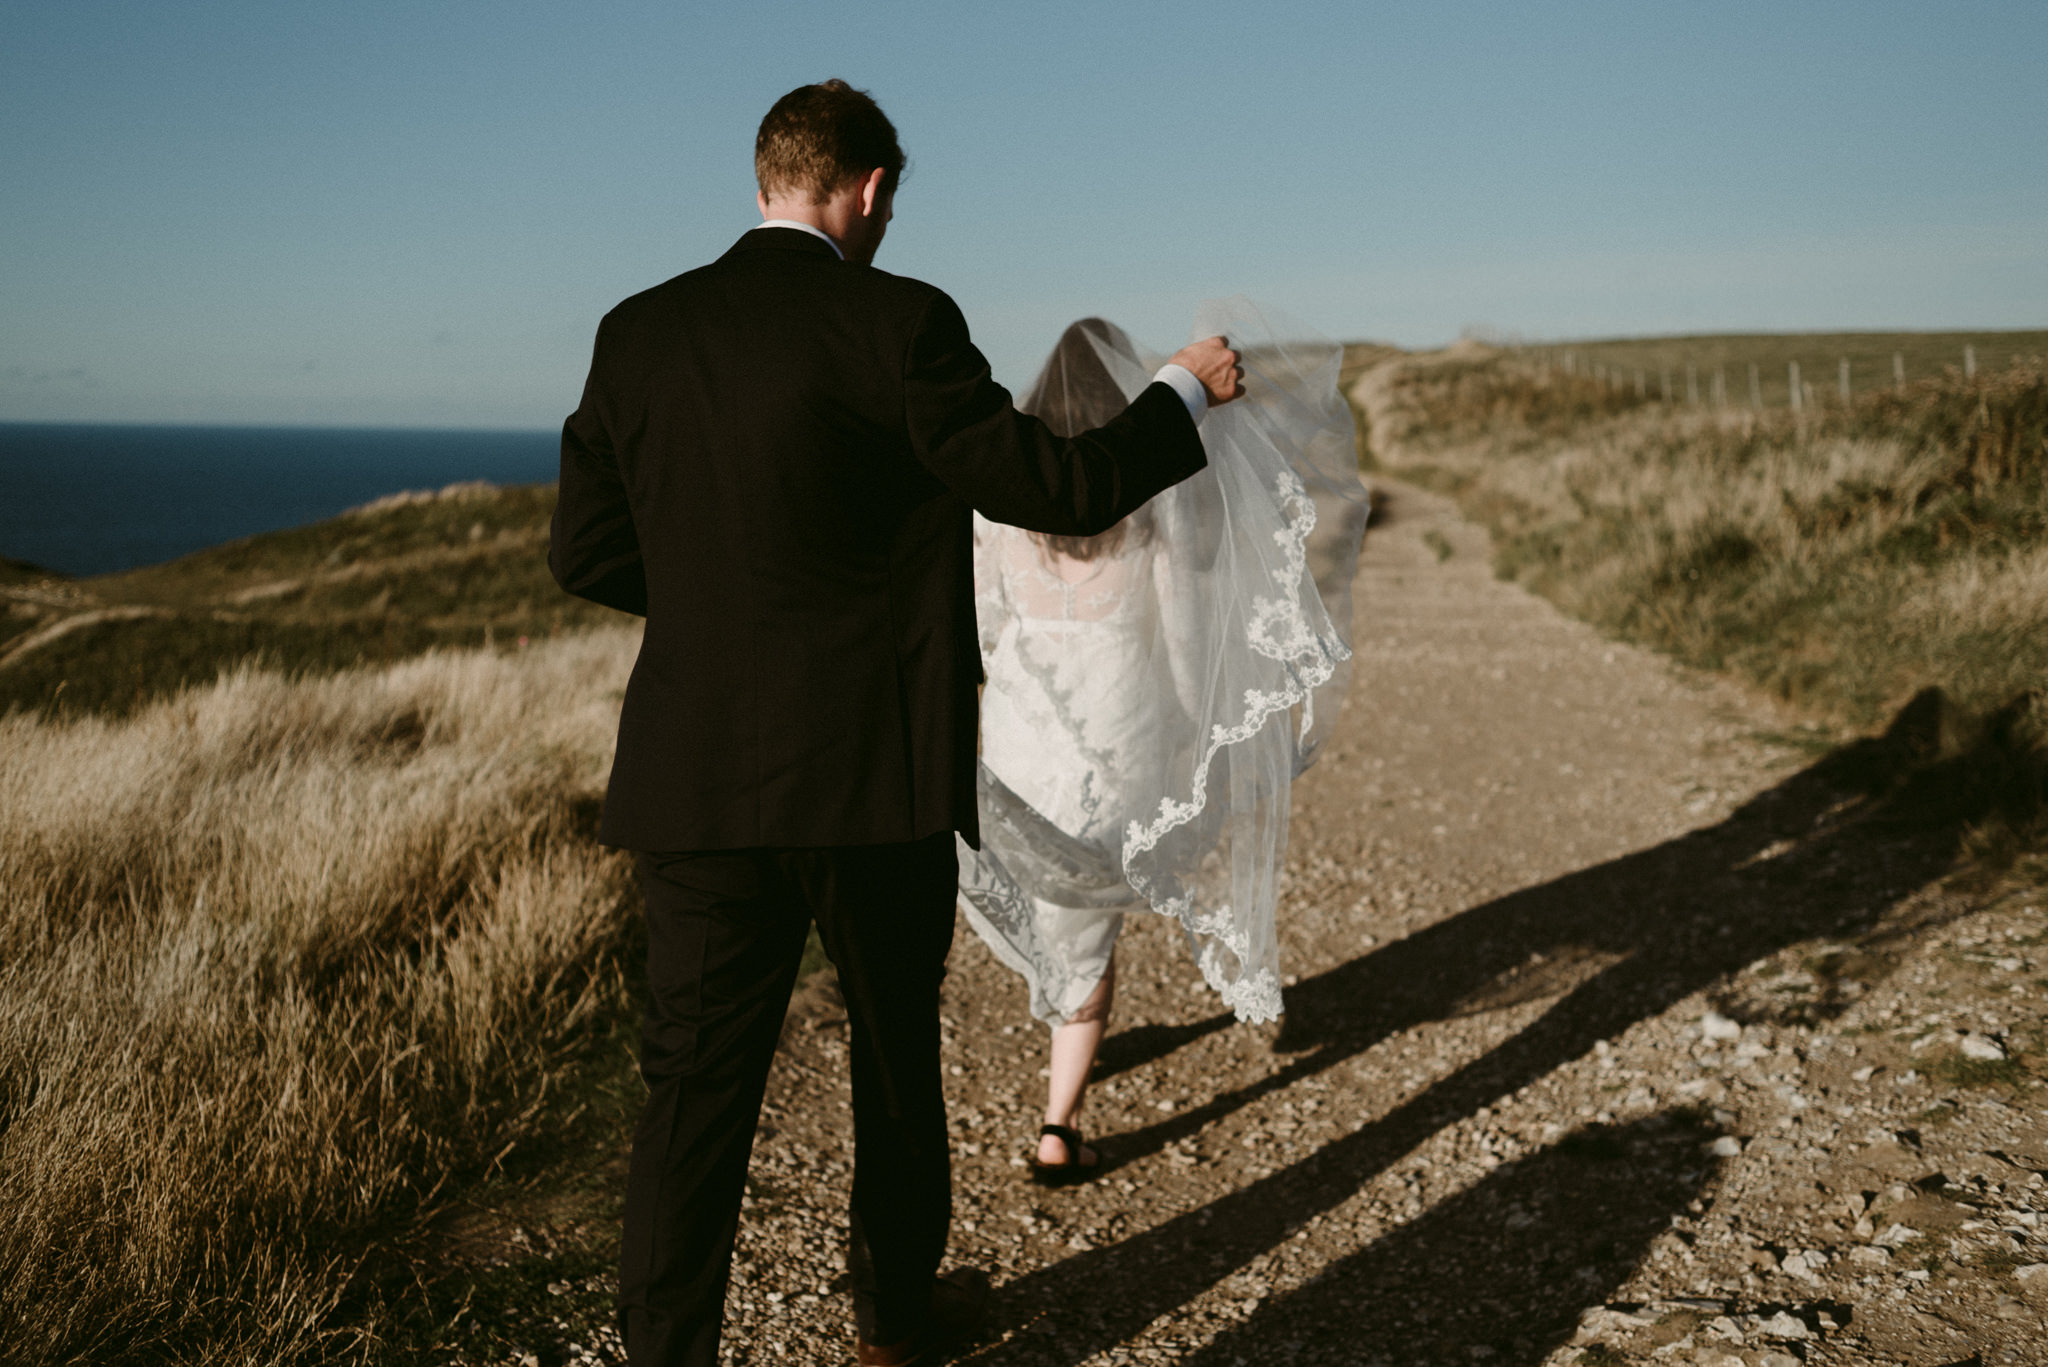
(89, 498)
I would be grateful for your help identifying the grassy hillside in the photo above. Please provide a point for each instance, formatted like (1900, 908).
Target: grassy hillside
(308, 956)
(465, 566)
(1847, 556)
(22, 572)
(1876, 361)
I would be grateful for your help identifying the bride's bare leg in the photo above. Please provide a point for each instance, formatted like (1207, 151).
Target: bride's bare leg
(1074, 1046)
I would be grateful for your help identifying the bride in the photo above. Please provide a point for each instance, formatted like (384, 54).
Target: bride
(1153, 690)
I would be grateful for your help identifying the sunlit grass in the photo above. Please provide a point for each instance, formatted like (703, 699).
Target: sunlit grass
(278, 960)
(1845, 557)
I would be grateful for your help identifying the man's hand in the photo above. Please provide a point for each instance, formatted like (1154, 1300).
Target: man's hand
(1213, 363)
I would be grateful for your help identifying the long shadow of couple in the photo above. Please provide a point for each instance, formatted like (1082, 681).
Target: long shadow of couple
(1824, 853)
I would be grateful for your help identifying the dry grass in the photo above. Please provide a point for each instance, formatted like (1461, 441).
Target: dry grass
(1846, 558)
(277, 959)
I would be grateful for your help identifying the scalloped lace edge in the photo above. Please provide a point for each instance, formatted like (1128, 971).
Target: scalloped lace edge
(1278, 630)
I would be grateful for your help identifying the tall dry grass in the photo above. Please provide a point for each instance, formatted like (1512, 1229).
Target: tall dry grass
(277, 958)
(1847, 558)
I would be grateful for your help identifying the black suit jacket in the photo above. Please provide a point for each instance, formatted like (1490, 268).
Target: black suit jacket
(773, 461)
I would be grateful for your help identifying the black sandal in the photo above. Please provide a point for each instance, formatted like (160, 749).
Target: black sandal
(1071, 1172)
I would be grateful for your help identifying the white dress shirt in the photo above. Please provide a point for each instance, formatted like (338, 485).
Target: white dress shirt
(813, 229)
(1178, 378)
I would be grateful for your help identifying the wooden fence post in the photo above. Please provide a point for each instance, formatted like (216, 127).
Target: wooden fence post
(1843, 382)
(1692, 384)
(1792, 380)
(1899, 371)
(1969, 363)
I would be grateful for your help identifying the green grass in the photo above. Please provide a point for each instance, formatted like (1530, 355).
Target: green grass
(375, 536)
(371, 587)
(22, 572)
(1975, 1073)
(1600, 1355)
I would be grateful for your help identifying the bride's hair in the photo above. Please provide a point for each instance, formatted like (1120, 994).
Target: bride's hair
(1075, 393)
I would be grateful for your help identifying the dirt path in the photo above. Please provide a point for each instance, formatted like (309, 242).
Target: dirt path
(1499, 1124)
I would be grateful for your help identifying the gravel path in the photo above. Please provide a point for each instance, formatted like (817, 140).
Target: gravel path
(1619, 1028)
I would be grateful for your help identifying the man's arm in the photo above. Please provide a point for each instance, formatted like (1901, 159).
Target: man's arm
(593, 550)
(1013, 468)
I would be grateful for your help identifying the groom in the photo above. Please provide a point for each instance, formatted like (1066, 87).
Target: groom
(774, 462)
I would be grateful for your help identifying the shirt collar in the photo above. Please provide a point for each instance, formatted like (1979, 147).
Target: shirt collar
(810, 228)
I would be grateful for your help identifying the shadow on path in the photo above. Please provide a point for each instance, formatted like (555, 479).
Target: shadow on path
(1521, 1252)
(1826, 852)
(1143, 1044)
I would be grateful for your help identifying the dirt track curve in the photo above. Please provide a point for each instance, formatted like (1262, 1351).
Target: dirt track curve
(1499, 1124)
(1624, 1024)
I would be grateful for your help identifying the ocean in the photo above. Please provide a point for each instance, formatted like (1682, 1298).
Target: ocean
(90, 499)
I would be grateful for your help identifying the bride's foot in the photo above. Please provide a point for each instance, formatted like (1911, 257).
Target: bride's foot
(1054, 1151)
(1063, 1157)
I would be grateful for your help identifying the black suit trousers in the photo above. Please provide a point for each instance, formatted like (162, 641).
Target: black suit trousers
(725, 933)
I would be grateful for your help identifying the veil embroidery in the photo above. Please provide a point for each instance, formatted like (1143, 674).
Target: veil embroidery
(1228, 664)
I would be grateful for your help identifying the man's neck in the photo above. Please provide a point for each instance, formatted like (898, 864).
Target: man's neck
(805, 226)
(853, 217)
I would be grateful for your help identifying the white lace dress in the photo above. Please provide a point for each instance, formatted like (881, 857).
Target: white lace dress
(1080, 688)
(1149, 703)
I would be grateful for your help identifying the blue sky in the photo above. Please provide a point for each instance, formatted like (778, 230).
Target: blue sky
(414, 214)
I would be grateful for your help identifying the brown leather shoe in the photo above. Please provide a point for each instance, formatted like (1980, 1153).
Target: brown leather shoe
(959, 1308)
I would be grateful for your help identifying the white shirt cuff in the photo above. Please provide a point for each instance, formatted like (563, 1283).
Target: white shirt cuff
(1183, 382)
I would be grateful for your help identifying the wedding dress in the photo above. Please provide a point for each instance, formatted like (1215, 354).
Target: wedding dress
(1152, 692)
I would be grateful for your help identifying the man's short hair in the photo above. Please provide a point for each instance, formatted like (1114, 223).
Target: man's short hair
(819, 137)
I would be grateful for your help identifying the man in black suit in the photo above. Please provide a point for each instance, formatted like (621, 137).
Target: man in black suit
(774, 462)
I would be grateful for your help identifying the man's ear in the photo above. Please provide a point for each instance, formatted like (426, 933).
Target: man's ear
(871, 192)
(761, 199)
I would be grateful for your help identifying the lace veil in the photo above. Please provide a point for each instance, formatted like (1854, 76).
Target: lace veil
(1244, 639)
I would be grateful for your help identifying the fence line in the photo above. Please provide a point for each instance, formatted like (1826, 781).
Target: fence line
(1800, 394)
